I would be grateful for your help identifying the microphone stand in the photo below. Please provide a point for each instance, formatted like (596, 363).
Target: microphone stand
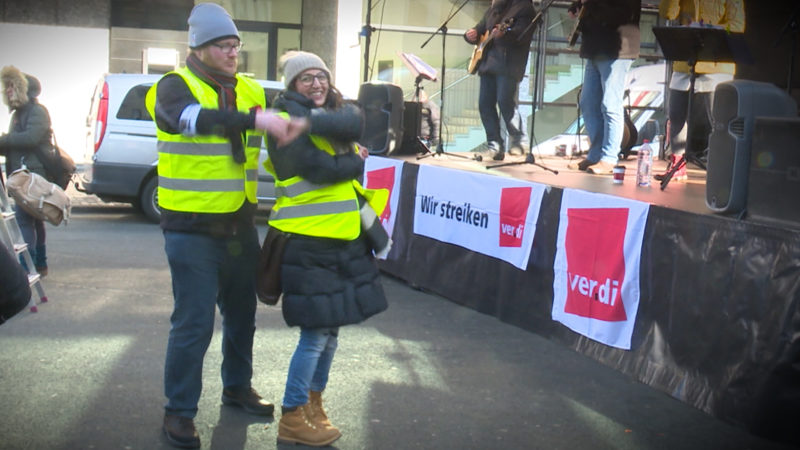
(443, 29)
(529, 159)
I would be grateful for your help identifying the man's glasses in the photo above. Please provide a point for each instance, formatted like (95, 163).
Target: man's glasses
(228, 48)
(308, 79)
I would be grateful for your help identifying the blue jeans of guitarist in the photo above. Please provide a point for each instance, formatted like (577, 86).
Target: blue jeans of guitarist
(500, 91)
(602, 108)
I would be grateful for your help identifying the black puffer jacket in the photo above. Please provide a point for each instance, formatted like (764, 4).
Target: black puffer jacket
(29, 127)
(325, 282)
(508, 54)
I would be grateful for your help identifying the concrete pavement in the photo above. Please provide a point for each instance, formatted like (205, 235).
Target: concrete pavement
(86, 370)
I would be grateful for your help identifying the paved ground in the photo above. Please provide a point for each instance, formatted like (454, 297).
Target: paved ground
(86, 370)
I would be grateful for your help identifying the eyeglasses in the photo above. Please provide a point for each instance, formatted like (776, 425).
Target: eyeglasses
(308, 79)
(227, 48)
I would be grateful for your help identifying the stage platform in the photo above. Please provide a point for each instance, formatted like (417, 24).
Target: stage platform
(718, 323)
(687, 196)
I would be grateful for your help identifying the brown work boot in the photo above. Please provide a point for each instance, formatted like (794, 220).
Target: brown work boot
(247, 399)
(180, 431)
(316, 412)
(601, 168)
(583, 165)
(296, 427)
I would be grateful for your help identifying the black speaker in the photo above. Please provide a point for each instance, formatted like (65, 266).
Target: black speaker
(383, 114)
(736, 105)
(774, 184)
(412, 120)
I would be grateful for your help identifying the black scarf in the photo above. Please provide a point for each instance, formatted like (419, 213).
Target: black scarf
(227, 99)
(214, 77)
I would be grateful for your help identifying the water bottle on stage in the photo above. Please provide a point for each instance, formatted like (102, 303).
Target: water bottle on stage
(644, 164)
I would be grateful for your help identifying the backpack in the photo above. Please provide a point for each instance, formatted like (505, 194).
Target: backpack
(38, 197)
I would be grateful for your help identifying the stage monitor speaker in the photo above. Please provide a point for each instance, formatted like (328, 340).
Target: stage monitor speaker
(736, 105)
(383, 117)
(774, 185)
(412, 123)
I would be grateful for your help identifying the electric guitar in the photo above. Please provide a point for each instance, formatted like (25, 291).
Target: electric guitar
(576, 29)
(483, 44)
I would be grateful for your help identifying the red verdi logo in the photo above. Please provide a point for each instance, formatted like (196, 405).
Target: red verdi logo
(596, 264)
(514, 203)
(382, 179)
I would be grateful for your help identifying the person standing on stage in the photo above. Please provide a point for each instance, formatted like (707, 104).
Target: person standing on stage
(727, 14)
(501, 68)
(610, 41)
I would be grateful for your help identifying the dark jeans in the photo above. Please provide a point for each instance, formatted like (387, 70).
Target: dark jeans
(33, 233)
(209, 272)
(500, 91)
(701, 121)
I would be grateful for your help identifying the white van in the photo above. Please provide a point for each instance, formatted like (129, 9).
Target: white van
(121, 145)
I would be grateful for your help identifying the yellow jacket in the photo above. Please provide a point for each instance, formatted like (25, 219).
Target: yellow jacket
(197, 173)
(728, 14)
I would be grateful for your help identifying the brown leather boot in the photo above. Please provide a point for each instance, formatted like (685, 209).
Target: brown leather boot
(316, 412)
(296, 427)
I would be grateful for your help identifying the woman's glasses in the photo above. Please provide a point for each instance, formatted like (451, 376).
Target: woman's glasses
(308, 79)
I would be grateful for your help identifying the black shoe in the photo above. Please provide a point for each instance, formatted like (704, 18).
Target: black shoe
(247, 399)
(180, 431)
(499, 156)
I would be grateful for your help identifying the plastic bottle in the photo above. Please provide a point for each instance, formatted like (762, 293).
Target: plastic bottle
(644, 164)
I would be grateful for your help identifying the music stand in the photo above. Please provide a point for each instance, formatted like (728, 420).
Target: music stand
(421, 71)
(443, 29)
(529, 159)
(693, 44)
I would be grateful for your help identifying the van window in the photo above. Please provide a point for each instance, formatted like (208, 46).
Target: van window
(132, 107)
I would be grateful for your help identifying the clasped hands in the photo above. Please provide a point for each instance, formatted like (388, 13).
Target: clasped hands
(283, 130)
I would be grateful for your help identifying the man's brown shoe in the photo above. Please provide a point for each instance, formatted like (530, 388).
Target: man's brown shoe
(247, 399)
(180, 431)
(583, 164)
(601, 168)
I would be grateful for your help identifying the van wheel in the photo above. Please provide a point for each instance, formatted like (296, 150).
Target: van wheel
(149, 200)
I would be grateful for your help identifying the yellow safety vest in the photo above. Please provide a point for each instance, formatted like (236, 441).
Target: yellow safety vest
(198, 173)
(329, 210)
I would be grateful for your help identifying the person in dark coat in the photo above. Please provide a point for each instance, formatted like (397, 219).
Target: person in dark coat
(501, 69)
(15, 291)
(328, 273)
(29, 133)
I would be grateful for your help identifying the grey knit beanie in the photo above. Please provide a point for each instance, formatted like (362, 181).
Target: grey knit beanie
(293, 63)
(209, 22)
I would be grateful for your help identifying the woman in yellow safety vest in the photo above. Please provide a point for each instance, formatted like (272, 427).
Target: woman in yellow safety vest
(328, 274)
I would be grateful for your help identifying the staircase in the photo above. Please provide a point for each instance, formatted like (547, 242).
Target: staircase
(462, 129)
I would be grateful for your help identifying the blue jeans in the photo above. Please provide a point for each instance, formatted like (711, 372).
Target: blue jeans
(34, 235)
(310, 364)
(602, 107)
(500, 91)
(209, 272)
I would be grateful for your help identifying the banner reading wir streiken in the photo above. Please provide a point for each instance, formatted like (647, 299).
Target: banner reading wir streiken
(487, 214)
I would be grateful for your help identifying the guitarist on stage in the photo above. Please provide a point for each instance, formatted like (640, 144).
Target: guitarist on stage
(609, 42)
(501, 67)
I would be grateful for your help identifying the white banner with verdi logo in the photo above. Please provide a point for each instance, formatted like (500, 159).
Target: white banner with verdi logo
(596, 269)
(385, 173)
(492, 215)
